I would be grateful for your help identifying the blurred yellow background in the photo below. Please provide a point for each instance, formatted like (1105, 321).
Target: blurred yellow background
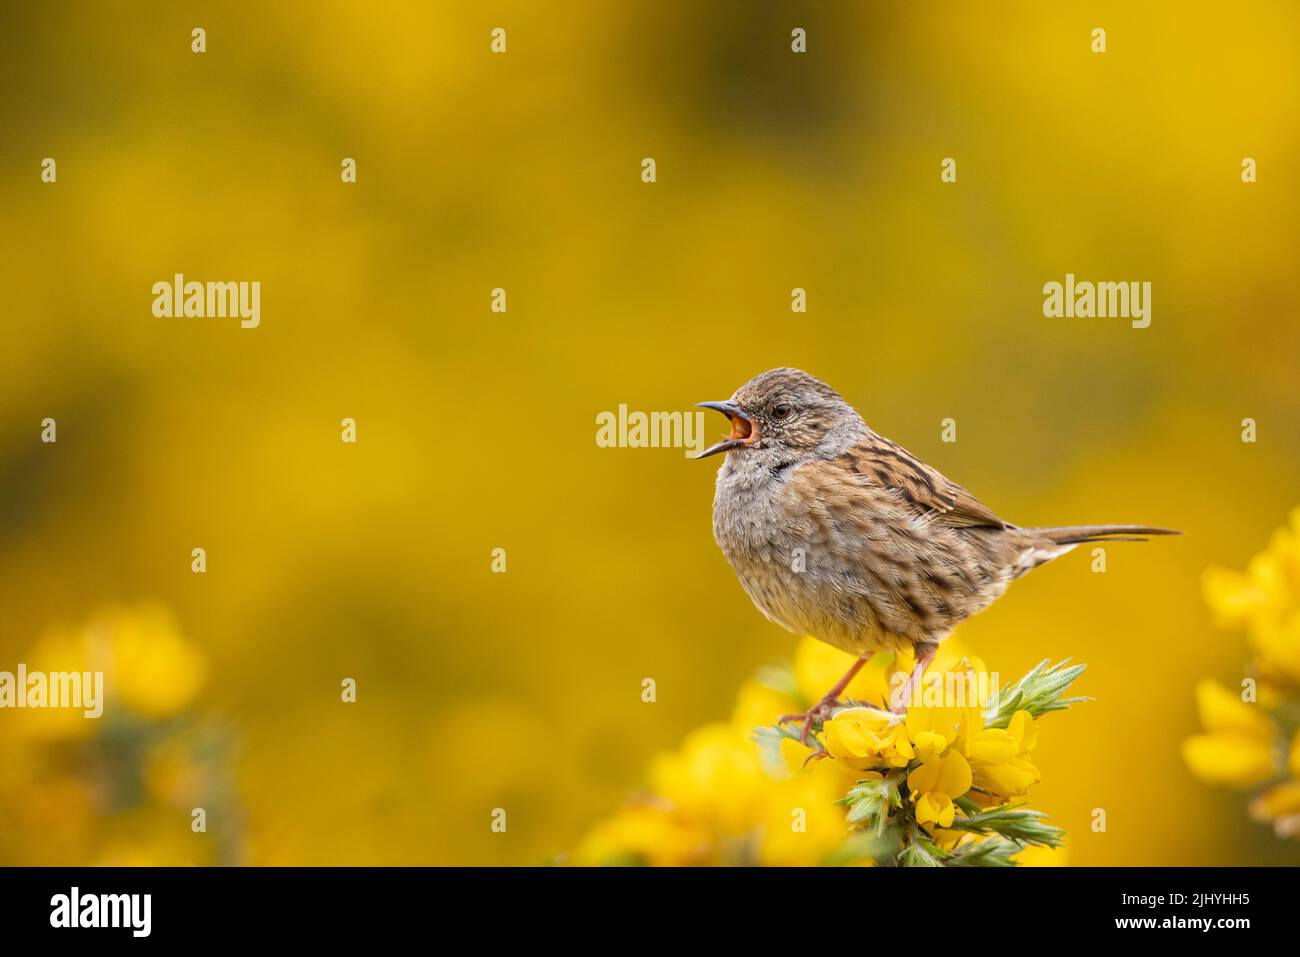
(476, 429)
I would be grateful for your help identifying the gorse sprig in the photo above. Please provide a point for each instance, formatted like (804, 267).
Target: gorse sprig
(947, 782)
(943, 784)
(1023, 826)
(995, 851)
(921, 851)
(1038, 692)
(871, 802)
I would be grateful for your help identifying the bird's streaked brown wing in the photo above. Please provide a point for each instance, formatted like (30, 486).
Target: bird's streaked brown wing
(885, 463)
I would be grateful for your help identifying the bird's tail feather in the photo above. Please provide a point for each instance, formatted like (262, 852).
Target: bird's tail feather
(1079, 534)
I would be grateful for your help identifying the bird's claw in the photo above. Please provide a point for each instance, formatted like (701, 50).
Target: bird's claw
(817, 714)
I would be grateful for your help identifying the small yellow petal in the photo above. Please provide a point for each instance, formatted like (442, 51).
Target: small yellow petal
(1222, 710)
(1232, 759)
(1232, 596)
(929, 744)
(1009, 779)
(1024, 730)
(935, 808)
(993, 746)
(1278, 801)
(924, 778)
(954, 775)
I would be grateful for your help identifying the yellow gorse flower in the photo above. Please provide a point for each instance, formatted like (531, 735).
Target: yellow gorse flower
(715, 778)
(867, 738)
(1237, 749)
(151, 670)
(999, 757)
(1280, 805)
(1243, 745)
(644, 833)
(936, 784)
(932, 730)
(734, 793)
(801, 820)
(1265, 599)
(152, 752)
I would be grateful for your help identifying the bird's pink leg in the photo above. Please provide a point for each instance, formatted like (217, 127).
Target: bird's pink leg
(905, 693)
(821, 710)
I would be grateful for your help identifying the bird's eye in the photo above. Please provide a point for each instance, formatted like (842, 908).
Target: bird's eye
(781, 410)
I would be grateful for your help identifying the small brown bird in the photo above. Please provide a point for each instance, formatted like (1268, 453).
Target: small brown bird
(837, 532)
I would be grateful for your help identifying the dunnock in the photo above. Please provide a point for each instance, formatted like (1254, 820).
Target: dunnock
(836, 532)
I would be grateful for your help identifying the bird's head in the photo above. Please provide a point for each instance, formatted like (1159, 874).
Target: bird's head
(785, 412)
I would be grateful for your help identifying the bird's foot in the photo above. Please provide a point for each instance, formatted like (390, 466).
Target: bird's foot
(815, 756)
(815, 715)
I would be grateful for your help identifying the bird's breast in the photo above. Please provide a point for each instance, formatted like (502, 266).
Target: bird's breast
(753, 529)
(746, 522)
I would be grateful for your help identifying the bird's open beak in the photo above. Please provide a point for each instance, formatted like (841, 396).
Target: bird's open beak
(742, 434)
